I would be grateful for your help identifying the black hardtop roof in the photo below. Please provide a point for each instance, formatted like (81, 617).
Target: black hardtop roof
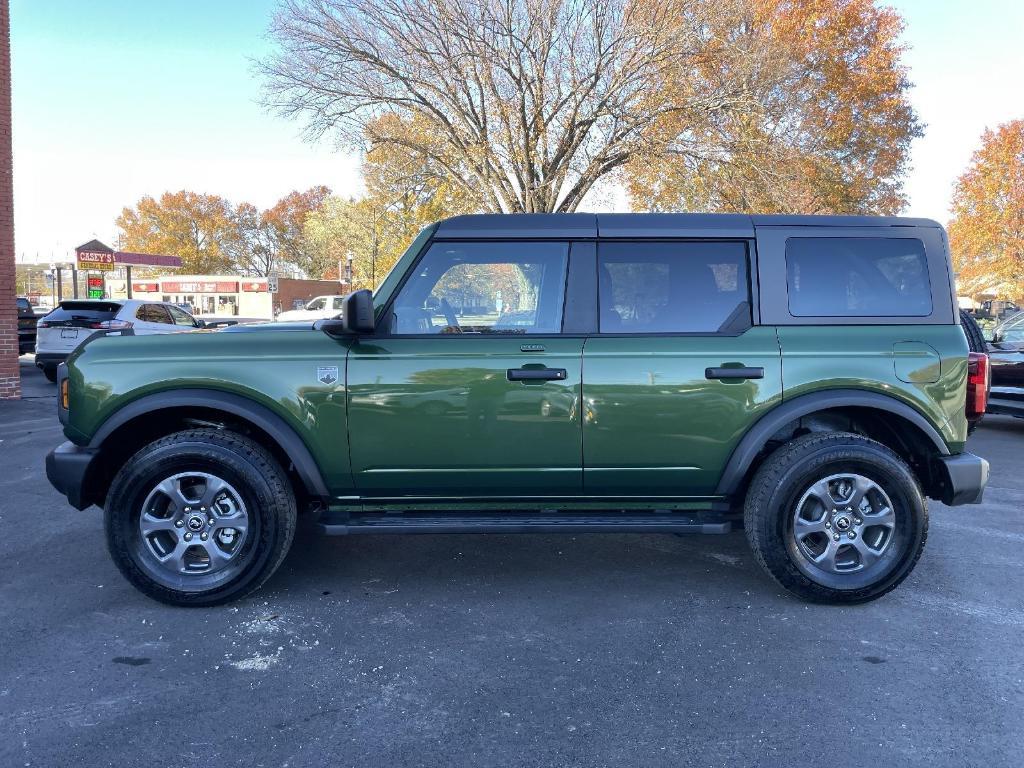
(542, 225)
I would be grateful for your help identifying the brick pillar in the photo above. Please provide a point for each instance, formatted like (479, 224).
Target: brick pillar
(10, 381)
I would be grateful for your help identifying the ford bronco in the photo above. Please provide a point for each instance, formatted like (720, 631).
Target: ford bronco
(805, 378)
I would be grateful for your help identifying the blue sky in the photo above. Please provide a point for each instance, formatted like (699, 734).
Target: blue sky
(116, 99)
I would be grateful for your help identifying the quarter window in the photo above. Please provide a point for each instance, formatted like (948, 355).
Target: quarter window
(673, 287)
(857, 277)
(484, 288)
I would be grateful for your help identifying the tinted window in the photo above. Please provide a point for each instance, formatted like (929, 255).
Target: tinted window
(316, 305)
(24, 305)
(492, 288)
(153, 313)
(857, 277)
(83, 310)
(672, 287)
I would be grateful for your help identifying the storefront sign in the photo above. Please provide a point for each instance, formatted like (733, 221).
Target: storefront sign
(97, 260)
(222, 286)
(145, 287)
(254, 286)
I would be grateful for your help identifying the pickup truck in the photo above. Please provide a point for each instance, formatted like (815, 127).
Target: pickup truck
(803, 378)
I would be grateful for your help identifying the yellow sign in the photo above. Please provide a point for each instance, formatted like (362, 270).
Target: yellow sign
(96, 260)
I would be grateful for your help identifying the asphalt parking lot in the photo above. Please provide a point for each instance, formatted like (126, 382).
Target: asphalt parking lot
(530, 650)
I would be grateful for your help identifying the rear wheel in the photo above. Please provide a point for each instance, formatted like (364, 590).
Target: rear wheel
(836, 518)
(200, 517)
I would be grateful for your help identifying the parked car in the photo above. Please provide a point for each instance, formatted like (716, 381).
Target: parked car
(322, 307)
(658, 343)
(72, 322)
(26, 326)
(1006, 353)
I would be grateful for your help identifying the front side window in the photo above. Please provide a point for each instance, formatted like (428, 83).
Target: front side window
(857, 277)
(484, 288)
(316, 305)
(681, 287)
(338, 303)
(180, 317)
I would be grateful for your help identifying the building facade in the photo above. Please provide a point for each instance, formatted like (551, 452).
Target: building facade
(226, 295)
(10, 379)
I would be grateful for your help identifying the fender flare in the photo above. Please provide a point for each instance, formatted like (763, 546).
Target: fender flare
(259, 415)
(758, 435)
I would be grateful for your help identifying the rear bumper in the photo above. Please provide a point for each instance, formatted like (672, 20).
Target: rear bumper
(50, 359)
(1008, 401)
(67, 469)
(963, 478)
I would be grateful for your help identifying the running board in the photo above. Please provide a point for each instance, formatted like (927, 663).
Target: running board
(343, 523)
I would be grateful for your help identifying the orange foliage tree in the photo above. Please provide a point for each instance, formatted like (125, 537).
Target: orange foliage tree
(986, 233)
(827, 129)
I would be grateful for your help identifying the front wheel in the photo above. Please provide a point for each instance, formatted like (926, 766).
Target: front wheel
(200, 517)
(836, 518)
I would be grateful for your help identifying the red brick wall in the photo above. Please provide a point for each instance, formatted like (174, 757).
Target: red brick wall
(10, 383)
(288, 290)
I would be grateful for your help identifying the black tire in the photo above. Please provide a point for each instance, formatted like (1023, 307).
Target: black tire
(975, 338)
(254, 476)
(50, 372)
(786, 477)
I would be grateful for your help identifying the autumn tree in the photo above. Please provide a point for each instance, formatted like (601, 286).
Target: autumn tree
(197, 227)
(827, 130)
(986, 233)
(369, 232)
(267, 241)
(526, 105)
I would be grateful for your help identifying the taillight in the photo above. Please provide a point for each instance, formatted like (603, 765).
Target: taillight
(978, 379)
(44, 324)
(111, 325)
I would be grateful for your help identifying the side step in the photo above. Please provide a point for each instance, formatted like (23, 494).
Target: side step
(342, 523)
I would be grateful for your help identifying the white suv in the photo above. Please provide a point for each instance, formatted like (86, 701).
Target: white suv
(59, 333)
(320, 308)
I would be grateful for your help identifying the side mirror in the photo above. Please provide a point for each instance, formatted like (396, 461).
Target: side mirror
(357, 312)
(198, 323)
(356, 315)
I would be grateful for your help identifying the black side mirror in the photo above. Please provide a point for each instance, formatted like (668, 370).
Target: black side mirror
(356, 316)
(198, 323)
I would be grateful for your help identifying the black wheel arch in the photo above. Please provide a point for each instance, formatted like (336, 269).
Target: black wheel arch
(751, 448)
(204, 405)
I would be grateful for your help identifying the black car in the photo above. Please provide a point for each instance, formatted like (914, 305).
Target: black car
(26, 326)
(1006, 357)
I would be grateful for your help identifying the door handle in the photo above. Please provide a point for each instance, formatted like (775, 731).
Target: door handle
(537, 374)
(734, 373)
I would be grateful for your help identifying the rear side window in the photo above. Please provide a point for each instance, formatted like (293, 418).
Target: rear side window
(857, 277)
(673, 287)
(153, 313)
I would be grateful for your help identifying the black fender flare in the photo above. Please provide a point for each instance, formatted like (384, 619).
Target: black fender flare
(259, 415)
(758, 435)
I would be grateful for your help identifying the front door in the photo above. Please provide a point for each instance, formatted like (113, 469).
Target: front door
(469, 388)
(676, 375)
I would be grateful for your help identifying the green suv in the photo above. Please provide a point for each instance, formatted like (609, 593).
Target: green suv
(803, 377)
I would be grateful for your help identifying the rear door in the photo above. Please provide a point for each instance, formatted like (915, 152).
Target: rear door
(152, 318)
(470, 388)
(677, 373)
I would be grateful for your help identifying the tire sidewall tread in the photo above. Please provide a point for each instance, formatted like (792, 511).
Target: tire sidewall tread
(772, 486)
(264, 482)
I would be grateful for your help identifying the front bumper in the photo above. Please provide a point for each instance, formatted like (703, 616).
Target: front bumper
(962, 478)
(67, 469)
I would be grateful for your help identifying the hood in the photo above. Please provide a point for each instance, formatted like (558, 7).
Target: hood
(296, 325)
